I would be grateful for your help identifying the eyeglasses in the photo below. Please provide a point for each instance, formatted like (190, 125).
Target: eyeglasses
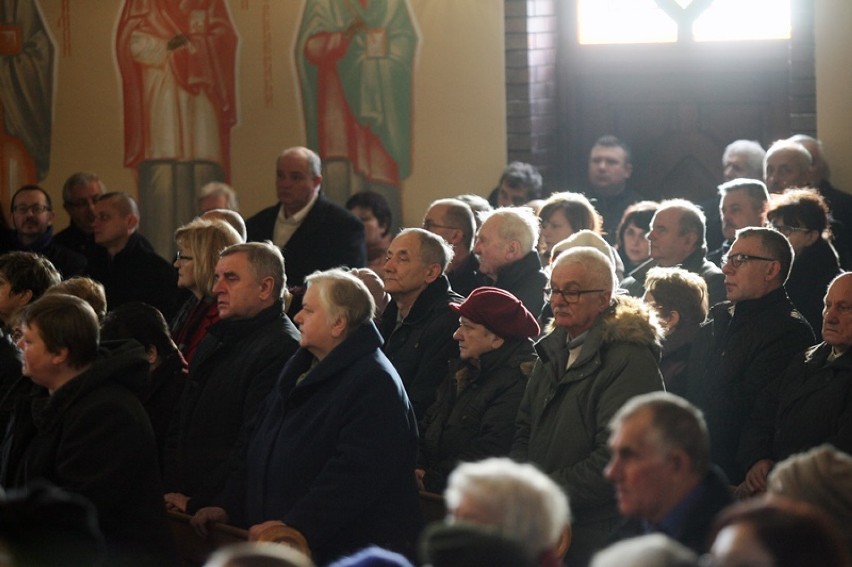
(788, 230)
(569, 295)
(429, 225)
(80, 203)
(738, 260)
(179, 257)
(36, 209)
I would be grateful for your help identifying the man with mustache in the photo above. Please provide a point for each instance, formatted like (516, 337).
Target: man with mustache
(32, 219)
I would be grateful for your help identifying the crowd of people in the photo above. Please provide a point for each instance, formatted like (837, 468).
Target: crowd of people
(578, 373)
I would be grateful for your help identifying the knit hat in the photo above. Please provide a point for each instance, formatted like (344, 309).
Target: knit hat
(498, 311)
(821, 476)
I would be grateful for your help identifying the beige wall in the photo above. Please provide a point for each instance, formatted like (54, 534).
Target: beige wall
(834, 86)
(459, 100)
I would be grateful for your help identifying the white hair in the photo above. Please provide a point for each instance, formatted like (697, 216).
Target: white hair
(653, 550)
(517, 223)
(523, 503)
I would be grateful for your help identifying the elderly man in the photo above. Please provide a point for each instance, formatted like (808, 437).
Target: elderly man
(312, 232)
(233, 369)
(661, 470)
(79, 194)
(453, 220)
(332, 449)
(217, 195)
(32, 221)
(744, 203)
(811, 402)
(603, 351)
(743, 159)
(124, 262)
(787, 164)
(609, 169)
(746, 340)
(506, 247)
(517, 500)
(418, 324)
(677, 240)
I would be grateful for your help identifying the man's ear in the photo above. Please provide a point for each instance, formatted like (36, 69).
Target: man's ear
(433, 272)
(267, 285)
(513, 250)
(132, 222)
(59, 358)
(338, 328)
(674, 319)
(773, 270)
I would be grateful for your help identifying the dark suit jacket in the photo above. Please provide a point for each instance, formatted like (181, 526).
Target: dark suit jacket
(329, 236)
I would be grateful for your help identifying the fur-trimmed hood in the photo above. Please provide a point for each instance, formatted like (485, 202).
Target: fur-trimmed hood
(629, 319)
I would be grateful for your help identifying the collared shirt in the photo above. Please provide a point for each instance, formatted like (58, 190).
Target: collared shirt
(285, 227)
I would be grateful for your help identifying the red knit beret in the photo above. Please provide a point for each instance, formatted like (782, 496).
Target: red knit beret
(498, 311)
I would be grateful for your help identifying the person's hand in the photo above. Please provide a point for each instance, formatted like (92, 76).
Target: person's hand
(418, 475)
(202, 519)
(176, 502)
(755, 480)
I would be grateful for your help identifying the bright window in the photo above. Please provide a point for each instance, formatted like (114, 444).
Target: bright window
(644, 21)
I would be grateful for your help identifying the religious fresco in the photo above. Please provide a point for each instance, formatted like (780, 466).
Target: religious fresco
(355, 61)
(178, 69)
(26, 95)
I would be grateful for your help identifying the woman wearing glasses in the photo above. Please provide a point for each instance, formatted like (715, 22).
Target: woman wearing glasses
(802, 216)
(199, 244)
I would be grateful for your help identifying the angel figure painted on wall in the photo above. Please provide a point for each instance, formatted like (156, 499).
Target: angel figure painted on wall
(355, 60)
(178, 70)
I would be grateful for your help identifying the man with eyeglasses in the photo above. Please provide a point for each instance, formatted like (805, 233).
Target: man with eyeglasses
(603, 351)
(32, 221)
(453, 220)
(80, 192)
(746, 341)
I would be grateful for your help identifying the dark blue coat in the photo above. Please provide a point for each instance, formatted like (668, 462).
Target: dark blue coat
(334, 455)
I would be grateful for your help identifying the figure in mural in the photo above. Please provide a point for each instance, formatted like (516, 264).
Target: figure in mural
(177, 62)
(26, 95)
(355, 60)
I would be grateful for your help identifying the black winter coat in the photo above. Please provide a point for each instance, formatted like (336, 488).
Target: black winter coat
(525, 280)
(479, 420)
(808, 405)
(93, 437)
(232, 371)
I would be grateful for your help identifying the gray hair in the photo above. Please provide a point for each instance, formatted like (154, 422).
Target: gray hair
(343, 295)
(754, 153)
(597, 265)
(313, 159)
(219, 188)
(517, 223)
(692, 219)
(523, 503)
(775, 244)
(266, 261)
(459, 215)
(804, 159)
(754, 189)
(80, 178)
(258, 554)
(433, 248)
(677, 423)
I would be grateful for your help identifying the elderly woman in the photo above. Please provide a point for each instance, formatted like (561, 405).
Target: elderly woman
(333, 448)
(802, 215)
(679, 298)
(474, 414)
(199, 244)
(562, 215)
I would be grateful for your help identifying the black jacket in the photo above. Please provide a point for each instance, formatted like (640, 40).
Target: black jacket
(812, 271)
(329, 237)
(477, 419)
(466, 278)
(423, 344)
(93, 437)
(231, 373)
(525, 280)
(333, 455)
(136, 273)
(67, 261)
(696, 263)
(734, 358)
(809, 404)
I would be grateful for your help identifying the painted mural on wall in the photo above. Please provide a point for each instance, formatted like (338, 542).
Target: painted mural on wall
(178, 71)
(355, 60)
(26, 95)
